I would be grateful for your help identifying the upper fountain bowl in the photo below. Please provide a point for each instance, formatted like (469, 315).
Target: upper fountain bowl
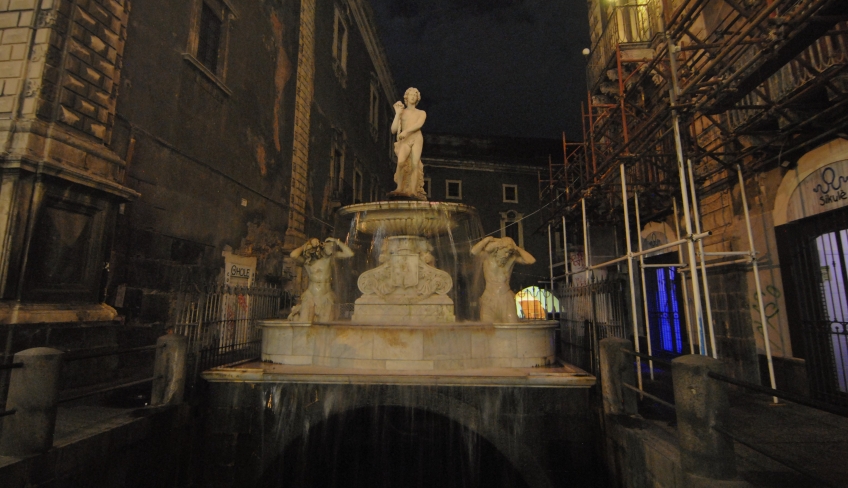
(414, 218)
(406, 253)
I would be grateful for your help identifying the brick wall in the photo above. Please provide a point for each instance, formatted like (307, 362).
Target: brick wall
(303, 107)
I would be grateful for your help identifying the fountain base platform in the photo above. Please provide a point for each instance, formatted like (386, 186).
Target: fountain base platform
(397, 347)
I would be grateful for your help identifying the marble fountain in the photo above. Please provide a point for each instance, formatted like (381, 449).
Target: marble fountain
(408, 291)
(406, 294)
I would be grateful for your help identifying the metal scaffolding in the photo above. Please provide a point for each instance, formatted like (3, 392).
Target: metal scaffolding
(685, 99)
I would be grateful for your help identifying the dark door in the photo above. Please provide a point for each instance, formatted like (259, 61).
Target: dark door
(814, 265)
(665, 306)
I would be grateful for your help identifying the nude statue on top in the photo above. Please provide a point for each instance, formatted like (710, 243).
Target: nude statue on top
(499, 257)
(317, 303)
(407, 124)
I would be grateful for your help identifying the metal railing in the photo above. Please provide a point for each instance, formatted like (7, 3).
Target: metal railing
(82, 355)
(220, 323)
(591, 313)
(817, 63)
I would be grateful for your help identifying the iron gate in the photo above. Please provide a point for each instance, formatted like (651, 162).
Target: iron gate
(591, 313)
(815, 275)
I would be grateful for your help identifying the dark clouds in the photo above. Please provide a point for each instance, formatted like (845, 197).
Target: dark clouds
(490, 67)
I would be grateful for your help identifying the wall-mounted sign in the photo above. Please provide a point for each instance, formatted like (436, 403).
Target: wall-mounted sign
(821, 191)
(238, 270)
(655, 234)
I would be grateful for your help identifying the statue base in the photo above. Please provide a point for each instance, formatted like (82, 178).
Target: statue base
(371, 309)
(396, 196)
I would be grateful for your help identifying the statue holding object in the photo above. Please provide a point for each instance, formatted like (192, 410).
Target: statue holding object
(409, 175)
(499, 255)
(317, 303)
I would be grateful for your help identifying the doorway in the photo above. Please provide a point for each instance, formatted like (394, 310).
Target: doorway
(814, 262)
(665, 305)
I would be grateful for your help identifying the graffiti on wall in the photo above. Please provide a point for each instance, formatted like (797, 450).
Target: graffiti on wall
(771, 309)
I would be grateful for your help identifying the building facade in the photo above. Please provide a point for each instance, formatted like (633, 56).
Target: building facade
(146, 143)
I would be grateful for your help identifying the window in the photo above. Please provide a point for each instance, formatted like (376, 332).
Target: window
(453, 190)
(209, 38)
(427, 187)
(337, 165)
(374, 194)
(374, 108)
(207, 44)
(512, 226)
(510, 193)
(337, 171)
(340, 33)
(357, 185)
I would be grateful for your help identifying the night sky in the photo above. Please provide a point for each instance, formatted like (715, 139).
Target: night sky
(490, 67)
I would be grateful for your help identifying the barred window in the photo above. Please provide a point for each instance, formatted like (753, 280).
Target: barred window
(209, 38)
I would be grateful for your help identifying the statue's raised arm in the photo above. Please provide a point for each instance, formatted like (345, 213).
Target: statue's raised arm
(407, 124)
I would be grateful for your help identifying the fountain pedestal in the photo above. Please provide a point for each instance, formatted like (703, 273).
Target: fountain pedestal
(405, 288)
(410, 347)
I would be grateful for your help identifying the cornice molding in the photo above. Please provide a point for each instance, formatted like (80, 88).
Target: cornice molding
(364, 16)
(472, 165)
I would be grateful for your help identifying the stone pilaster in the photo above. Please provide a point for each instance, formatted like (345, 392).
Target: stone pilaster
(302, 112)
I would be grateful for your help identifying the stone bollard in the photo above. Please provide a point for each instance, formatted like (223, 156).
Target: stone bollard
(616, 370)
(169, 369)
(701, 402)
(33, 392)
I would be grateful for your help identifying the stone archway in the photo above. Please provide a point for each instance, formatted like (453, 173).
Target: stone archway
(489, 413)
(816, 176)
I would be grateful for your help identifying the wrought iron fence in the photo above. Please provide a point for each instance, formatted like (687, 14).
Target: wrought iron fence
(220, 323)
(591, 313)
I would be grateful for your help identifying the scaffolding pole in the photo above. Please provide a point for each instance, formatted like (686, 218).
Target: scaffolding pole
(630, 274)
(644, 288)
(756, 270)
(683, 283)
(696, 215)
(564, 252)
(681, 169)
(585, 239)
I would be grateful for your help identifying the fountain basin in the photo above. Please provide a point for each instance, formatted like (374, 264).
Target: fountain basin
(409, 347)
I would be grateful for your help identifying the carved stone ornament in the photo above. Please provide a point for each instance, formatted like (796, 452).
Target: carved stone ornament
(405, 286)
